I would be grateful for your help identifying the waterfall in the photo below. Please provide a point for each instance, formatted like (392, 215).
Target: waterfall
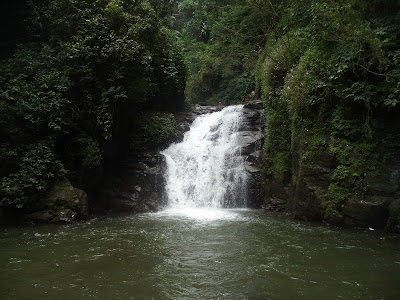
(206, 169)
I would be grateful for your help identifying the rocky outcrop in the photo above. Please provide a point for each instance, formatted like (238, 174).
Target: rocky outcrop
(135, 185)
(310, 193)
(251, 138)
(63, 203)
(371, 211)
(380, 206)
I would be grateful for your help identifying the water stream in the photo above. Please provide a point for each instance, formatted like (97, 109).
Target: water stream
(206, 170)
(198, 248)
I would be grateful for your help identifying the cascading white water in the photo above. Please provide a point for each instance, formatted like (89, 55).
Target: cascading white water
(206, 169)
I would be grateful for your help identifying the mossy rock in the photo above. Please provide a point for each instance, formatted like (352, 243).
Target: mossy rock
(64, 196)
(63, 203)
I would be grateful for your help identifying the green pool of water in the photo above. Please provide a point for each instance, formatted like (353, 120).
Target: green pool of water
(198, 254)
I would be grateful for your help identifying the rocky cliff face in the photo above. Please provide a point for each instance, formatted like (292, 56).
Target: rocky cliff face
(358, 189)
(136, 184)
(251, 136)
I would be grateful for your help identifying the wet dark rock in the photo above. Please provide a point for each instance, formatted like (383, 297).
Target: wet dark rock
(62, 204)
(369, 211)
(41, 216)
(257, 104)
(336, 219)
(251, 138)
(252, 168)
(382, 197)
(64, 216)
(204, 109)
(275, 204)
(386, 180)
(393, 223)
(136, 185)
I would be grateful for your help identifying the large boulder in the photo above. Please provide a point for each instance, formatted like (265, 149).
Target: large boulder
(380, 206)
(369, 211)
(136, 185)
(63, 203)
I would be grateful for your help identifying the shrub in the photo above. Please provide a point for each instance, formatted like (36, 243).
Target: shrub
(36, 167)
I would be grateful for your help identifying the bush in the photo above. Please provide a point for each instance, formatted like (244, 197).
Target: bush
(155, 129)
(92, 66)
(36, 167)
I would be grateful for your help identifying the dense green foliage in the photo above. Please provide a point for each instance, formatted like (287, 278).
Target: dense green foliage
(95, 72)
(330, 80)
(92, 69)
(156, 130)
(221, 41)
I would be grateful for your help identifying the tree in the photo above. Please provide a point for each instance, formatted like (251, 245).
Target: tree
(92, 69)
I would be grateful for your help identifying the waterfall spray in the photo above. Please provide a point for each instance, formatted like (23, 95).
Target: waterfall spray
(206, 169)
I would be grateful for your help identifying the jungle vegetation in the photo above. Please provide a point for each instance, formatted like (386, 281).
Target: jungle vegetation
(79, 77)
(75, 75)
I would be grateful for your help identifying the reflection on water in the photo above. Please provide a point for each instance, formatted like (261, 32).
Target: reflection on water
(198, 254)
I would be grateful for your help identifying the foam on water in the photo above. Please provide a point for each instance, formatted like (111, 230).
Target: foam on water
(204, 215)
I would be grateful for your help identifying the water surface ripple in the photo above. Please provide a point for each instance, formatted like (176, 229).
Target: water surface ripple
(198, 254)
